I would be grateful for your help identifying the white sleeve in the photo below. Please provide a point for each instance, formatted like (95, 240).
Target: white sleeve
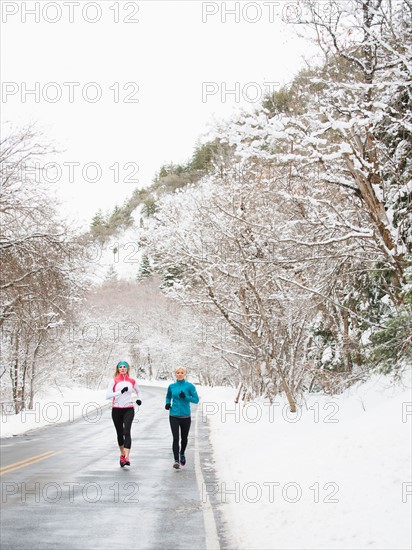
(110, 393)
(137, 390)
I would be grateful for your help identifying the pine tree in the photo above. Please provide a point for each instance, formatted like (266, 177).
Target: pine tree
(98, 219)
(145, 269)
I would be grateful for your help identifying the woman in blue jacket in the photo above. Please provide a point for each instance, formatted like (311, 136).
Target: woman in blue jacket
(178, 398)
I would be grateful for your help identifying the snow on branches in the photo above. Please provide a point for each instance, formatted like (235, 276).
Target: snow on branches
(299, 242)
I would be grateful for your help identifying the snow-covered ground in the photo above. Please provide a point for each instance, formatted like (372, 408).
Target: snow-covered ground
(336, 475)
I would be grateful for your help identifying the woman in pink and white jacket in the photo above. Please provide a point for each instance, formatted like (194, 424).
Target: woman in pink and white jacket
(120, 390)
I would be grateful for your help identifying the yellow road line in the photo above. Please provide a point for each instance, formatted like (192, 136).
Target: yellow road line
(27, 462)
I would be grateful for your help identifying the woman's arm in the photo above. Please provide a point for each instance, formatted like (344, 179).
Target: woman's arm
(193, 397)
(168, 396)
(137, 390)
(110, 393)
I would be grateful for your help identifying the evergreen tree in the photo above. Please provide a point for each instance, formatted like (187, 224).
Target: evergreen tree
(145, 269)
(98, 219)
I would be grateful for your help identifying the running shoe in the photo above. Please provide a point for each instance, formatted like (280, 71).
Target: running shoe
(182, 459)
(122, 460)
(176, 465)
(126, 461)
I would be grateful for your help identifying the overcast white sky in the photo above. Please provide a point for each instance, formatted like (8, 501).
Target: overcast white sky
(167, 52)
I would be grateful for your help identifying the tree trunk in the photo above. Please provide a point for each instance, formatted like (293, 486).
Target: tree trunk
(33, 374)
(346, 341)
(285, 387)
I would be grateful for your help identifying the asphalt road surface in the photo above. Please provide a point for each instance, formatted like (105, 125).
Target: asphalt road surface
(62, 486)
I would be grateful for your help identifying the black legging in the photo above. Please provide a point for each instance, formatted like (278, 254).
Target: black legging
(122, 419)
(184, 423)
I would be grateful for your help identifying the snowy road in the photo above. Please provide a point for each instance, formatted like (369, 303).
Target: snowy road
(62, 486)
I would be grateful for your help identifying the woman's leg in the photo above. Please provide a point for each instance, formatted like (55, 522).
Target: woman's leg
(117, 417)
(128, 416)
(184, 431)
(174, 425)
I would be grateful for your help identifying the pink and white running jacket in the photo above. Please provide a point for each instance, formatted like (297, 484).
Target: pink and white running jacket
(126, 399)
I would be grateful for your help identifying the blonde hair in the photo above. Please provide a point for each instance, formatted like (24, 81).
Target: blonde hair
(180, 368)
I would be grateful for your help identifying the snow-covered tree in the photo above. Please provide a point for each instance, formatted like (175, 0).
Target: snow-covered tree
(299, 241)
(39, 259)
(352, 129)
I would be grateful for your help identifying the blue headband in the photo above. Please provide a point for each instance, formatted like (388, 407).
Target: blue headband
(123, 364)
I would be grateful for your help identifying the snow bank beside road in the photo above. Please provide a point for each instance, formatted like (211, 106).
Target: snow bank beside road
(58, 405)
(337, 475)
